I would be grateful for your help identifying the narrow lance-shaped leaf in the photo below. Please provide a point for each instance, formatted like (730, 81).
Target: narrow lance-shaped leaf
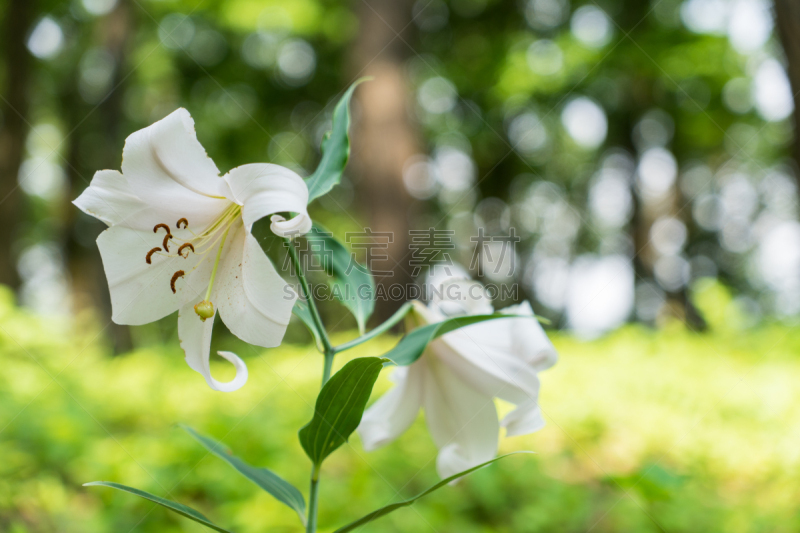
(175, 507)
(383, 511)
(411, 347)
(279, 488)
(350, 282)
(335, 149)
(339, 407)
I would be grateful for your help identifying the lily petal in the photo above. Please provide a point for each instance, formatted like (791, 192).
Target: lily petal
(169, 170)
(501, 358)
(253, 300)
(110, 199)
(525, 419)
(141, 292)
(195, 336)
(455, 297)
(529, 341)
(462, 421)
(481, 358)
(263, 189)
(395, 411)
(480, 355)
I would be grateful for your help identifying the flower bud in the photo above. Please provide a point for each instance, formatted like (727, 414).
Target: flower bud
(204, 310)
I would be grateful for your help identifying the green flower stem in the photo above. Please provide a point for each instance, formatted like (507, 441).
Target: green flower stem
(329, 352)
(326, 369)
(312, 306)
(383, 328)
(311, 526)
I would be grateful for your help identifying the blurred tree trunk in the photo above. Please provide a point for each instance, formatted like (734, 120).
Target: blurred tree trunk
(13, 130)
(385, 136)
(787, 16)
(678, 303)
(104, 124)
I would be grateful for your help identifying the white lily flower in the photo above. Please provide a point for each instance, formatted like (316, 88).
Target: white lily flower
(180, 240)
(459, 375)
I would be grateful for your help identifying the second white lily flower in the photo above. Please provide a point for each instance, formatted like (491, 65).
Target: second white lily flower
(459, 375)
(180, 239)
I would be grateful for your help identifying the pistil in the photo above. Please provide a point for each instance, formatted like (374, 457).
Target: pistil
(205, 309)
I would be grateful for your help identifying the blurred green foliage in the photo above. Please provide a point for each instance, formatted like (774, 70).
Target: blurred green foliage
(646, 430)
(552, 117)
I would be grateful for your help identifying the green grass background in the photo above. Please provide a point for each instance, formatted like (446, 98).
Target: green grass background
(646, 431)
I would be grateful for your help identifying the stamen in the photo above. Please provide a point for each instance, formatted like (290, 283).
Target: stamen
(183, 247)
(150, 255)
(167, 237)
(162, 225)
(216, 264)
(185, 223)
(175, 276)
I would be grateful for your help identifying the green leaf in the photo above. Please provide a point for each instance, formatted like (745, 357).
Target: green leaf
(279, 488)
(383, 511)
(410, 347)
(350, 282)
(339, 407)
(302, 311)
(335, 149)
(179, 508)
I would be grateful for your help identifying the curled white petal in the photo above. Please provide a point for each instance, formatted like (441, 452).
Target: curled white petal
(526, 418)
(241, 373)
(195, 336)
(264, 189)
(297, 225)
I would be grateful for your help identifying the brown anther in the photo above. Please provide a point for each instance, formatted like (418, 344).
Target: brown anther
(175, 276)
(165, 242)
(183, 247)
(185, 223)
(155, 228)
(150, 255)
